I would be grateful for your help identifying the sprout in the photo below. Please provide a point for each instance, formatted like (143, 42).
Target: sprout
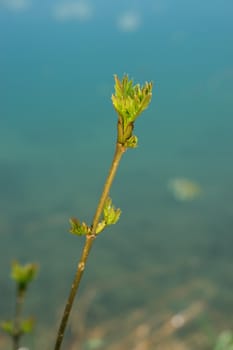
(129, 102)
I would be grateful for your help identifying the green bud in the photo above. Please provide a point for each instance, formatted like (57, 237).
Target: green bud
(78, 228)
(100, 227)
(132, 142)
(111, 214)
(129, 102)
(23, 274)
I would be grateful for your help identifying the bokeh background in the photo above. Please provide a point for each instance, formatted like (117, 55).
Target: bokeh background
(162, 277)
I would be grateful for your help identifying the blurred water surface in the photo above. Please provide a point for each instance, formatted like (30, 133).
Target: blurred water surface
(57, 134)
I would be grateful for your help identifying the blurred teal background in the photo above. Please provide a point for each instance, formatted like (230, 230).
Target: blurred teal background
(57, 134)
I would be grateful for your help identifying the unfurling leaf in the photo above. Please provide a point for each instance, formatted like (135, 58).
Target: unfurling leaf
(78, 228)
(100, 227)
(132, 142)
(111, 214)
(129, 102)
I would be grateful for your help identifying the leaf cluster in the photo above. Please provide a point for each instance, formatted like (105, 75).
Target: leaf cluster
(23, 274)
(129, 102)
(26, 326)
(110, 217)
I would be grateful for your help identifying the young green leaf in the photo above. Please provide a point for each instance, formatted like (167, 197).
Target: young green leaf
(78, 228)
(111, 214)
(100, 227)
(129, 102)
